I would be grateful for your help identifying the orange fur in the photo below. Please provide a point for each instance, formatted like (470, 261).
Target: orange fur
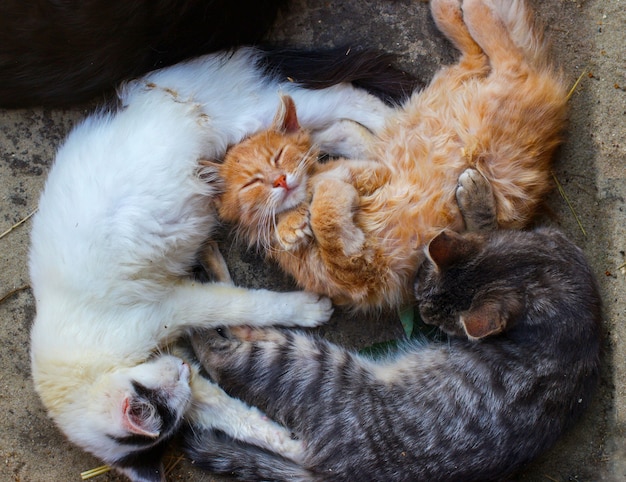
(354, 229)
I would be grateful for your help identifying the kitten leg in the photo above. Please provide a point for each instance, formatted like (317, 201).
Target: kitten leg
(212, 408)
(332, 217)
(449, 19)
(368, 176)
(213, 262)
(318, 109)
(276, 370)
(493, 25)
(190, 304)
(346, 138)
(474, 195)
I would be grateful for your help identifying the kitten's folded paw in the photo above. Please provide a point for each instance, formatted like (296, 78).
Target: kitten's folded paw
(218, 339)
(294, 230)
(474, 195)
(353, 241)
(296, 238)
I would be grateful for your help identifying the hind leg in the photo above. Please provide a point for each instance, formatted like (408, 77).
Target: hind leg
(213, 409)
(493, 24)
(448, 16)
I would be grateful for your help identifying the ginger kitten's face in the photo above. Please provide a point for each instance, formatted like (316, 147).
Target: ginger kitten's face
(264, 176)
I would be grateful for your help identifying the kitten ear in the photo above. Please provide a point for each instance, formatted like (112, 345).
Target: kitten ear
(483, 321)
(140, 418)
(286, 119)
(449, 247)
(491, 316)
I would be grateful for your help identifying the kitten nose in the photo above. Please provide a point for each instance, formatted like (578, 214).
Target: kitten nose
(281, 181)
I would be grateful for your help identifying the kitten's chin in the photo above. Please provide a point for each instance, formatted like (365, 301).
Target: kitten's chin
(292, 198)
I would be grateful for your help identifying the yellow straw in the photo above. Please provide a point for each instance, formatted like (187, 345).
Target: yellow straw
(88, 474)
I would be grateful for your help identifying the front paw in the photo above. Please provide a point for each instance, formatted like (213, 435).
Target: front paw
(294, 230)
(346, 138)
(474, 195)
(308, 309)
(353, 241)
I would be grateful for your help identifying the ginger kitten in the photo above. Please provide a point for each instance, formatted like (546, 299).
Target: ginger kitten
(353, 229)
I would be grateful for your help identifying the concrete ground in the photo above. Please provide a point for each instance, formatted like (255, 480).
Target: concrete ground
(589, 38)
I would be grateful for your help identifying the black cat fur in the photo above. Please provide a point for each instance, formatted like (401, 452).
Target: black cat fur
(58, 53)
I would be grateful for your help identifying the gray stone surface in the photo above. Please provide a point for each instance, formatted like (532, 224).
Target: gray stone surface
(589, 40)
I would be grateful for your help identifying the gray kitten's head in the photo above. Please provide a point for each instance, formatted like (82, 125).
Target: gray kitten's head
(476, 285)
(465, 287)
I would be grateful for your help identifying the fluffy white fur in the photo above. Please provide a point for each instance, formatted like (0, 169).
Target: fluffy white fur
(122, 217)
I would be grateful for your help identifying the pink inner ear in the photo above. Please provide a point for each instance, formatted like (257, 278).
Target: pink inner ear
(134, 423)
(446, 248)
(483, 322)
(289, 121)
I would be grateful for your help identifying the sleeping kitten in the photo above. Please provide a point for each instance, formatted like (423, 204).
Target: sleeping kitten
(353, 229)
(59, 53)
(124, 213)
(523, 316)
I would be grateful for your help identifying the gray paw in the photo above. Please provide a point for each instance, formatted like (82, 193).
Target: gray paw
(474, 196)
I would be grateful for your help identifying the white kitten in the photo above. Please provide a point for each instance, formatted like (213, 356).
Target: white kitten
(125, 210)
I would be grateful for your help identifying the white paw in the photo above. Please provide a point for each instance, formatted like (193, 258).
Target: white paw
(474, 195)
(306, 309)
(345, 138)
(291, 449)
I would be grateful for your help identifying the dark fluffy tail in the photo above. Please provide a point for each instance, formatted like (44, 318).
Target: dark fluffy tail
(216, 452)
(371, 70)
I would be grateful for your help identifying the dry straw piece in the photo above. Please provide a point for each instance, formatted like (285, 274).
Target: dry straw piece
(18, 224)
(88, 474)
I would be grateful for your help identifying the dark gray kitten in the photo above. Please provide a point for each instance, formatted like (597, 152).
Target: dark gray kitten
(523, 314)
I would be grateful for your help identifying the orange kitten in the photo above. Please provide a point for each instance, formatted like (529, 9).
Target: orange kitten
(354, 229)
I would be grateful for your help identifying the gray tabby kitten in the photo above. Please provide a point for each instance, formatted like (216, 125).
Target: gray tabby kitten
(523, 315)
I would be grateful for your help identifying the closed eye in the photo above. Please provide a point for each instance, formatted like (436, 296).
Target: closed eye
(251, 182)
(277, 156)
